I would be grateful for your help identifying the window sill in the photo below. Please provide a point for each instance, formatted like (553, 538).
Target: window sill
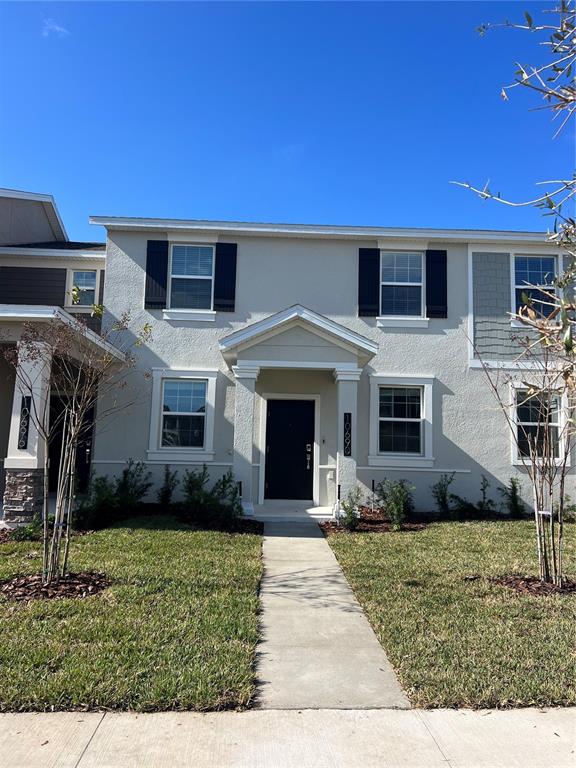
(186, 455)
(190, 315)
(519, 463)
(403, 461)
(79, 309)
(402, 322)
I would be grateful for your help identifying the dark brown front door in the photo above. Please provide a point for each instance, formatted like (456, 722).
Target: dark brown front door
(289, 449)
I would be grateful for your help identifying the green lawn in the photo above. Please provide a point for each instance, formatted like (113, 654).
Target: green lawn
(465, 643)
(176, 630)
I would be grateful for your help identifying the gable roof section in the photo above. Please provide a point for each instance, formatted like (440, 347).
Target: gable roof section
(306, 318)
(48, 206)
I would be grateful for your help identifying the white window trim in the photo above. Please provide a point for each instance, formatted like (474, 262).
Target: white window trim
(519, 461)
(402, 460)
(559, 269)
(180, 313)
(157, 452)
(403, 321)
(190, 315)
(68, 303)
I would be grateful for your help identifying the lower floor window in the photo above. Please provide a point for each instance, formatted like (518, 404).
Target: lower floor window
(537, 424)
(400, 420)
(183, 413)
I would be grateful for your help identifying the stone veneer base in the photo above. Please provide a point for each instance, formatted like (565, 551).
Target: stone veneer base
(23, 495)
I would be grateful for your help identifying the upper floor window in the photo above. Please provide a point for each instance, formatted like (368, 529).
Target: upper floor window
(84, 288)
(183, 413)
(537, 425)
(532, 275)
(401, 284)
(191, 277)
(400, 420)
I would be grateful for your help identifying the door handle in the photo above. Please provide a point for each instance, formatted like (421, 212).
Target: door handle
(308, 447)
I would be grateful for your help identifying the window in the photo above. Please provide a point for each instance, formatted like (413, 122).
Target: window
(531, 275)
(537, 424)
(191, 277)
(401, 284)
(183, 413)
(400, 420)
(84, 288)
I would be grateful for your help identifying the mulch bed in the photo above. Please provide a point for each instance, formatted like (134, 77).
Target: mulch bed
(531, 585)
(4, 535)
(30, 587)
(371, 521)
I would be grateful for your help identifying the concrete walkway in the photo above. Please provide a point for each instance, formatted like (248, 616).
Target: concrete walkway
(523, 738)
(318, 650)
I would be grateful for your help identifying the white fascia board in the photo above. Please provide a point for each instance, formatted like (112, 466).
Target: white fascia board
(321, 231)
(51, 253)
(297, 312)
(27, 313)
(53, 216)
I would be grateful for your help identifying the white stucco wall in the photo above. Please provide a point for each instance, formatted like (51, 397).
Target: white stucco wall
(469, 435)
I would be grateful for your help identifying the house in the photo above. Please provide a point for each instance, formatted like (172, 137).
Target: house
(308, 359)
(39, 265)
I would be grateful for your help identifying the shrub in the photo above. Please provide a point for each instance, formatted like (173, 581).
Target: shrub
(132, 485)
(396, 498)
(441, 494)
(511, 496)
(109, 500)
(31, 532)
(349, 515)
(227, 492)
(219, 508)
(467, 510)
(99, 508)
(569, 510)
(168, 487)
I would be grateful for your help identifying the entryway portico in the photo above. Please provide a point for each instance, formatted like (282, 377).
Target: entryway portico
(296, 356)
(28, 399)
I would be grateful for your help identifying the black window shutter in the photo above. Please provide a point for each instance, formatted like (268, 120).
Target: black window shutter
(436, 284)
(156, 274)
(101, 287)
(368, 282)
(225, 277)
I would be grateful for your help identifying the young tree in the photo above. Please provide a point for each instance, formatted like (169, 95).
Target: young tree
(537, 395)
(80, 367)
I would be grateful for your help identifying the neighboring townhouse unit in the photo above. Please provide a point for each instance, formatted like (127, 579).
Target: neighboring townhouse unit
(311, 358)
(39, 265)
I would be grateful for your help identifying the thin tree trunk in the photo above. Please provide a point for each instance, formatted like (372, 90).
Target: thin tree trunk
(71, 491)
(45, 511)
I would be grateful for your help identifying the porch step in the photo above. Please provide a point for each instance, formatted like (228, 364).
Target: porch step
(286, 512)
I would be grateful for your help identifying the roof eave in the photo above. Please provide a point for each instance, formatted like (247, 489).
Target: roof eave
(114, 223)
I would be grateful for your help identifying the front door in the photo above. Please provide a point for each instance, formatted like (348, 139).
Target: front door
(289, 449)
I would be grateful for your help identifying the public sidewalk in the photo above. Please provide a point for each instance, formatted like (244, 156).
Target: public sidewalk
(385, 738)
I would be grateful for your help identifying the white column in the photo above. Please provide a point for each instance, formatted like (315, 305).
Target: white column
(25, 445)
(244, 432)
(347, 395)
(24, 462)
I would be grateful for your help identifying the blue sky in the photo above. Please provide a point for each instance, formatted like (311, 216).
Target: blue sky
(343, 113)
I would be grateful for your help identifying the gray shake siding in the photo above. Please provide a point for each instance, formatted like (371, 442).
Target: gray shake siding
(493, 335)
